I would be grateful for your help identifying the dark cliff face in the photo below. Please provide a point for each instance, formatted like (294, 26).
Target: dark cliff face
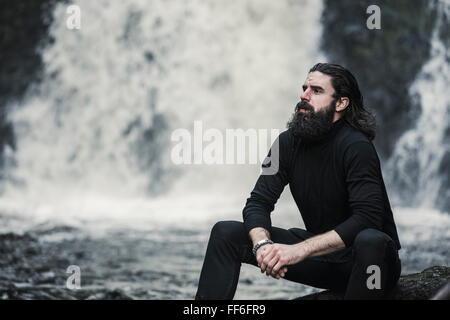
(23, 32)
(385, 61)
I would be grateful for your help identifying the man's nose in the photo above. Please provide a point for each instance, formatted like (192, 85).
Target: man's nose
(305, 95)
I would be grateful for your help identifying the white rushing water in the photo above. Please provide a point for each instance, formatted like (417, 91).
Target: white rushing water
(414, 165)
(97, 135)
(413, 169)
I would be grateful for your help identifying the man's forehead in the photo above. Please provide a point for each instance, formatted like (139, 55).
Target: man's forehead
(317, 78)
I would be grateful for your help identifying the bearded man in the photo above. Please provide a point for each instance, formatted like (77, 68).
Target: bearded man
(326, 155)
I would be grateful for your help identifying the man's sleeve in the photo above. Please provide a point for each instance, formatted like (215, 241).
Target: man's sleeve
(269, 187)
(365, 195)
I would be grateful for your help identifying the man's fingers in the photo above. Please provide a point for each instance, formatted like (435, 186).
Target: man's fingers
(266, 261)
(266, 256)
(276, 268)
(271, 264)
(260, 256)
(279, 270)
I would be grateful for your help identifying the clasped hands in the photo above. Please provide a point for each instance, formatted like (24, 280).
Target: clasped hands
(273, 259)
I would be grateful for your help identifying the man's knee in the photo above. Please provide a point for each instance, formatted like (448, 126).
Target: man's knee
(372, 247)
(372, 242)
(228, 230)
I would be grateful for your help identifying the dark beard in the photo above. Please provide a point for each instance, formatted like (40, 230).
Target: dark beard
(311, 125)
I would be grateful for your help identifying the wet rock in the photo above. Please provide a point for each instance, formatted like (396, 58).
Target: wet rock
(33, 269)
(417, 286)
(116, 294)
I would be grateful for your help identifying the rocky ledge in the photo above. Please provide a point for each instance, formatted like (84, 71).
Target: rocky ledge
(431, 283)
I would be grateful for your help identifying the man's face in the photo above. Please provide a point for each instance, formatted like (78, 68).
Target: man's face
(315, 114)
(317, 91)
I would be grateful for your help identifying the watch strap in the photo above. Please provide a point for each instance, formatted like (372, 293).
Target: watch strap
(259, 244)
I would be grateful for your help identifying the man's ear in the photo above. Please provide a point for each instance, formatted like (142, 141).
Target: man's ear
(342, 104)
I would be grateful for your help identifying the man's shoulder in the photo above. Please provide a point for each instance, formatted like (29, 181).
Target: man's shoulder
(286, 142)
(349, 136)
(286, 138)
(286, 134)
(354, 143)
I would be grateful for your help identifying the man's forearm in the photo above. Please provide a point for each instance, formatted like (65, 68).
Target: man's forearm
(322, 244)
(258, 234)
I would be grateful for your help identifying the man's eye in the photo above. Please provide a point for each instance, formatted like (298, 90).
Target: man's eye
(316, 90)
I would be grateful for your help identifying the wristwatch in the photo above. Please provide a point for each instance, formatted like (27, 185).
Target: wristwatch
(259, 244)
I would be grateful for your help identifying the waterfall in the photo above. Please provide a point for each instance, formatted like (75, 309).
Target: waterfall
(414, 166)
(93, 138)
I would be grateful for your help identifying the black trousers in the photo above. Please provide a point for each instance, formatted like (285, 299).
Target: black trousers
(350, 271)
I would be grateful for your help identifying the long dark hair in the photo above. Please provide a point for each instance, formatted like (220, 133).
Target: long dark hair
(345, 85)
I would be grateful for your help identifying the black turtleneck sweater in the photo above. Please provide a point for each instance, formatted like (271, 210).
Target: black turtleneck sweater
(336, 182)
